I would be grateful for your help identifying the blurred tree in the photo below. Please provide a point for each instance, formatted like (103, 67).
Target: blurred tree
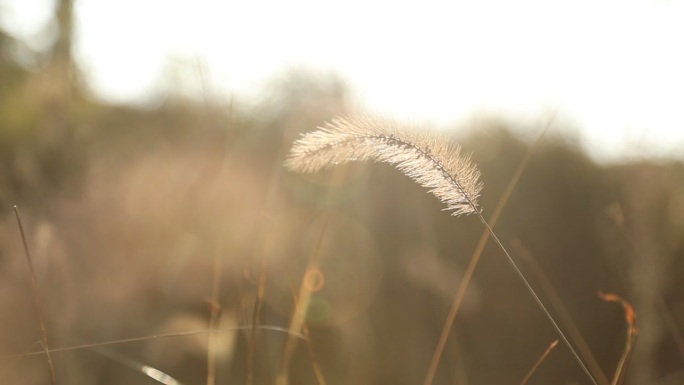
(37, 114)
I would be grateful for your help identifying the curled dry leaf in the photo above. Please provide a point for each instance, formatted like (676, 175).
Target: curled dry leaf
(630, 314)
(430, 160)
(632, 333)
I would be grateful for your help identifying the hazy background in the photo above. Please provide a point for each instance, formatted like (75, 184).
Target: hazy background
(143, 141)
(611, 68)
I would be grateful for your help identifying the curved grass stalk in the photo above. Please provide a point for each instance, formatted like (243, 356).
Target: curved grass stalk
(430, 160)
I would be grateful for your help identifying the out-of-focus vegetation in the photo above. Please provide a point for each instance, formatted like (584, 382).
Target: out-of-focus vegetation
(127, 210)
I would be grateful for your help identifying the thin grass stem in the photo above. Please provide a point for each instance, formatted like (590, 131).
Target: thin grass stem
(155, 337)
(301, 307)
(539, 361)
(36, 298)
(477, 254)
(255, 321)
(562, 312)
(314, 362)
(215, 317)
(538, 300)
(630, 339)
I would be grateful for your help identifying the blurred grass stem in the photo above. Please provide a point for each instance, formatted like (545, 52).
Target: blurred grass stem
(36, 297)
(539, 361)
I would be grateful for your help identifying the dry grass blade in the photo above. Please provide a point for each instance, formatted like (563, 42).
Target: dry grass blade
(155, 337)
(302, 301)
(429, 159)
(539, 361)
(562, 311)
(255, 321)
(632, 333)
(475, 259)
(214, 318)
(36, 298)
(318, 372)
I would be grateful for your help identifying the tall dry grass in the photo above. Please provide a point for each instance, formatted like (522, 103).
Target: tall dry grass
(427, 158)
(131, 256)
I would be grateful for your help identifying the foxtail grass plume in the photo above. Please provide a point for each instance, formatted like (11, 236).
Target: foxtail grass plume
(430, 160)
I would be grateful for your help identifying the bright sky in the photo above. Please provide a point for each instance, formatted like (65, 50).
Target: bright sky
(614, 68)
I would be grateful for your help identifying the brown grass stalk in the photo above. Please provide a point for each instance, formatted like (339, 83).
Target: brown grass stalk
(630, 339)
(301, 307)
(214, 317)
(151, 338)
(312, 355)
(562, 312)
(256, 321)
(36, 298)
(305, 331)
(475, 258)
(538, 362)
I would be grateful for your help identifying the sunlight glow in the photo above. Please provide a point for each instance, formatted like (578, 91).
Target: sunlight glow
(613, 67)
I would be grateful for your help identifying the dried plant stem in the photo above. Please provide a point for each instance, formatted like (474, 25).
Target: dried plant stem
(621, 368)
(538, 301)
(301, 307)
(215, 317)
(562, 312)
(215, 301)
(307, 334)
(36, 297)
(256, 314)
(630, 340)
(539, 361)
(460, 292)
(475, 259)
(314, 362)
(154, 337)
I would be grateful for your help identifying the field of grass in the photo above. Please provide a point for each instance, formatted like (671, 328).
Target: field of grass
(173, 245)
